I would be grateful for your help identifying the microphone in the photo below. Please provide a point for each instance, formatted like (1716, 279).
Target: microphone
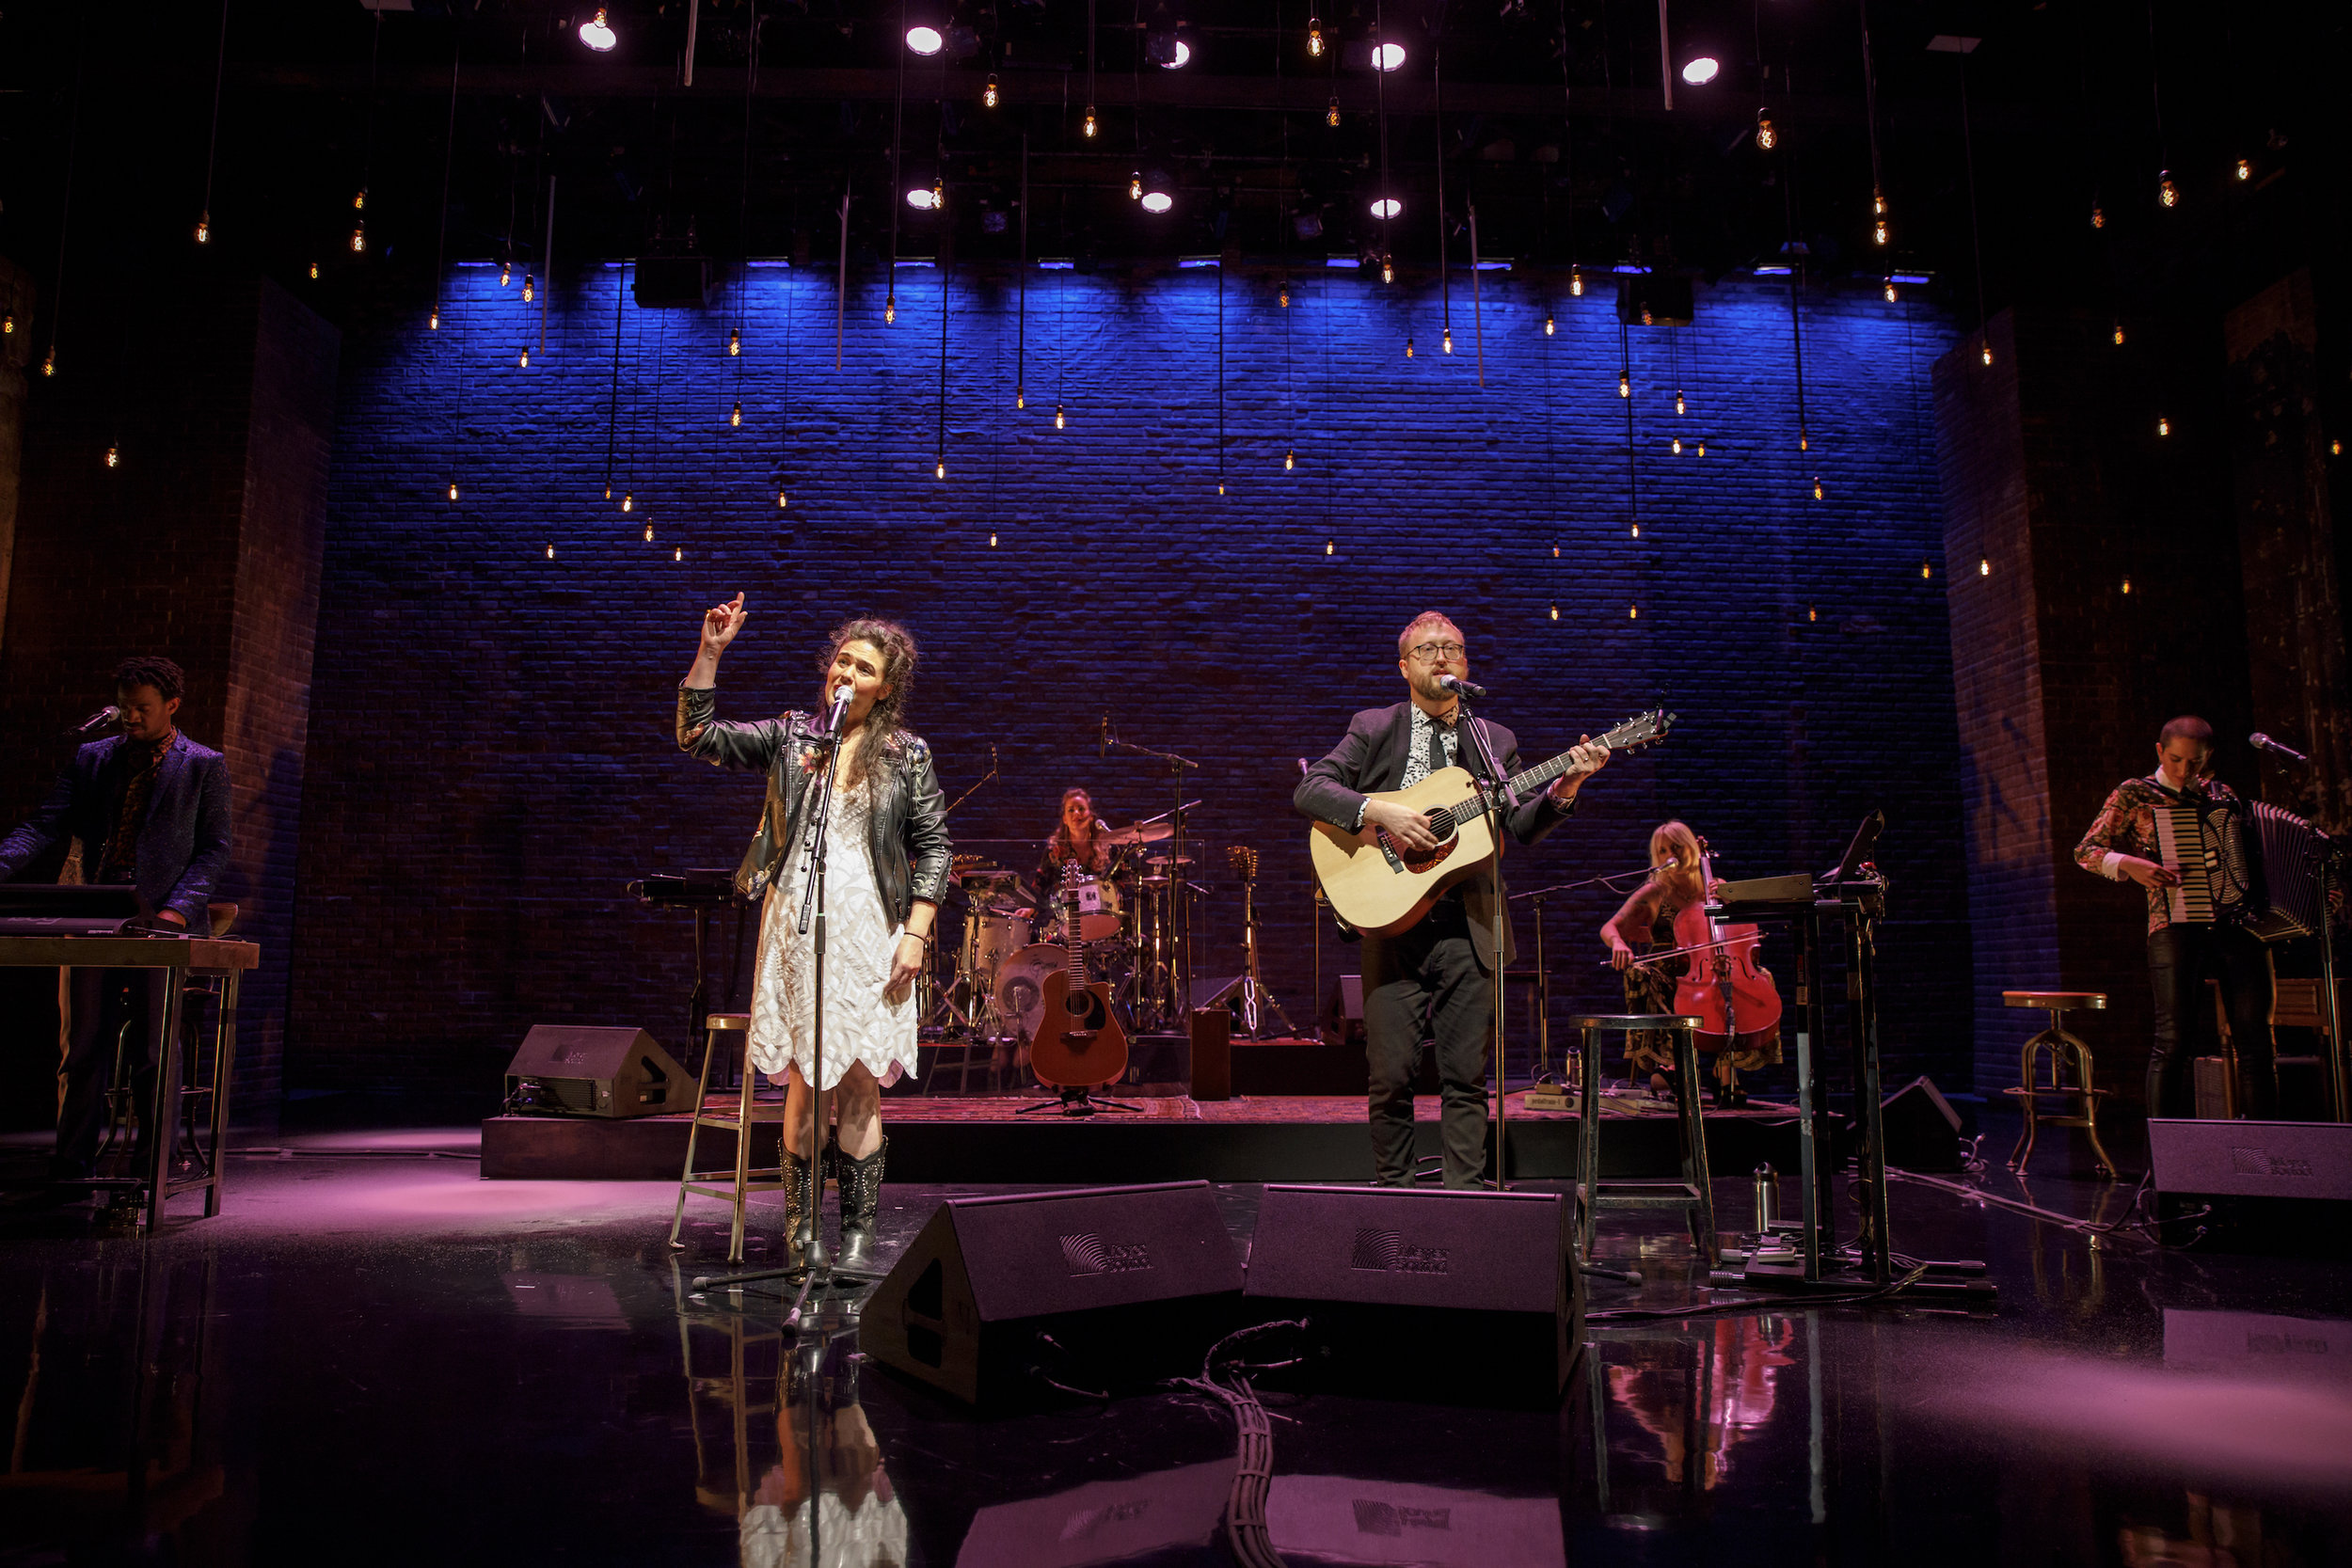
(2262, 742)
(96, 722)
(1302, 765)
(841, 695)
(1461, 688)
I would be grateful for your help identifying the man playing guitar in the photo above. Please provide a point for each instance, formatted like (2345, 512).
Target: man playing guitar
(1432, 980)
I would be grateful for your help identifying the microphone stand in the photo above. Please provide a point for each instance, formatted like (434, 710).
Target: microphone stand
(1493, 791)
(2340, 1104)
(817, 1275)
(1179, 903)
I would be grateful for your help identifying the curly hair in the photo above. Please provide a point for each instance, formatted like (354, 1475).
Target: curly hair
(885, 722)
(1065, 848)
(168, 678)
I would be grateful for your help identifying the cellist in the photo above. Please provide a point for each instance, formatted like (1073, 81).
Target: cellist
(1647, 923)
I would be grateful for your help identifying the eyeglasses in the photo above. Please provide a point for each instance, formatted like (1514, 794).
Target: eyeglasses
(1429, 652)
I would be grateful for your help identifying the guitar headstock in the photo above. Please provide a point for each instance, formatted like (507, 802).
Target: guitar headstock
(1642, 729)
(1242, 857)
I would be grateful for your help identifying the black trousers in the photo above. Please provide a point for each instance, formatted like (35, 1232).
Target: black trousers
(2179, 960)
(1426, 984)
(105, 1001)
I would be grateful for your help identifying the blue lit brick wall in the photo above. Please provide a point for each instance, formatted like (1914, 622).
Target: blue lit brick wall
(490, 757)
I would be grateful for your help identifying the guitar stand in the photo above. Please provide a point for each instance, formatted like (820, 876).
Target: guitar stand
(1077, 1102)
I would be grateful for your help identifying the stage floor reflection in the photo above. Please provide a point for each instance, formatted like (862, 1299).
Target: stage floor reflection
(374, 1354)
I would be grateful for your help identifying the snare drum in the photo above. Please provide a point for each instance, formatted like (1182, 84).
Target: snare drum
(1101, 916)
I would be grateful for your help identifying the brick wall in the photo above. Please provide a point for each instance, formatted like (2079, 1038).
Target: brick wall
(202, 544)
(489, 757)
(2060, 485)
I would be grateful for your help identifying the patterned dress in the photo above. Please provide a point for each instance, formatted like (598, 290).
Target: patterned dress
(1651, 989)
(859, 1025)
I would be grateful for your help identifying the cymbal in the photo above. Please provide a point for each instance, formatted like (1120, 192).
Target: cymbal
(1151, 882)
(1163, 861)
(1139, 833)
(985, 874)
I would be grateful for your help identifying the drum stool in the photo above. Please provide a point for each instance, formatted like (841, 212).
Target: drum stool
(743, 1180)
(1693, 1193)
(2065, 1052)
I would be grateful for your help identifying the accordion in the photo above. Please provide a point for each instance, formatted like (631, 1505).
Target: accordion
(2254, 866)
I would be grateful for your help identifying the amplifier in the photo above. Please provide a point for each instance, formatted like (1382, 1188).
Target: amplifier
(571, 1070)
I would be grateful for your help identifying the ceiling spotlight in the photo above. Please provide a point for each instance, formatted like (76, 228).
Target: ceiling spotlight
(926, 39)
(1386, 207)
(1167, 48)
(1701, 70)
(1388, 57)
(1157, 201)
(597, 34)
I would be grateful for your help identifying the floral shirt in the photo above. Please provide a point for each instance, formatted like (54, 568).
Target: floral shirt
(2127, 824)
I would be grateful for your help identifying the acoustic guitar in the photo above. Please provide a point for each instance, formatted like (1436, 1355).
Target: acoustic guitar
(1376, 884)
(1080, 1042)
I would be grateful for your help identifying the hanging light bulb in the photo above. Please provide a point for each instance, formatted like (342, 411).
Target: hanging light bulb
(627, 500)
(1677, 446)
(2167, 194)
(358, 238)
(1811, 613)
(1314, 35)
(314, 271)
(939, 193)
(1680, 407)
(507, 270)
(734, 340)
(1020, 399)
(113, 457)
(988, 94)
(1555, 552)
(608, 490)
(1446, 341)
(204, 229)
(522, 358)
(1877, 226)
(529, 289)
(550, 552)
(992, 541)
(1549, 326)
(1290, 460)
(1985, 566)
(1090, 126)
(1805, 441)
(1637, 530)
(890, 308)
(452, 489)
(1134, 186)
(1702, 446)
(1284, 297)
(1331, 114)
(8, 325)
(1986, 353)
(1555, 610)
(1575, 284)
(2127, 585)
(1925, 569)
(734, 419)
(1331, 546)
(433, 321)
(1891, 295)
(1633, 613)
(1817, 487)
(1388, 270)
(2245, 172)
(49, 363)
(782, 498)
(1624, 384)
(1220, 487)
(649, 533)
(1408, 346)
(1766, 138)
(2098, 216)
(939, 471)
(678, 554)
(360, 201)
(1060, 422)
(2164, 426)
(2119, 333)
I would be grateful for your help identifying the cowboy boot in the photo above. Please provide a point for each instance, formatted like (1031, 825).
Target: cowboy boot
(801, 1194)
(861, 1196)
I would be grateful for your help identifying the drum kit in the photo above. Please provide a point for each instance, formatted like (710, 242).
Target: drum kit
(1133, 915)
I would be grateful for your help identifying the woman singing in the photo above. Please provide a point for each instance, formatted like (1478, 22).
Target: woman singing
(1647, 919)
(885, 871)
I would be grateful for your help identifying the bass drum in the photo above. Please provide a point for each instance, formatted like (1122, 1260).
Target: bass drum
(992, 937)
(1020, 983)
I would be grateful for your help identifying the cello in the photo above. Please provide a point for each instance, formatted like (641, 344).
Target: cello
(1724, 988)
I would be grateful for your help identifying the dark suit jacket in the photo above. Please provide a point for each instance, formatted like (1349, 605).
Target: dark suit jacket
(1371, 760)
(184, 842)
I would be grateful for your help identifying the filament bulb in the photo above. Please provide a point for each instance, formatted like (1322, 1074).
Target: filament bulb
(1804, 442)
(1331, 114)
(1090, 126)
(358, 238)
(2127, 585)
(890, 310)
(1624, 384)
(1315, 37)
(1556, 610)
(1575, 284)
(8, 325)
(992, 540)
(314, 271)
(782, 498)
(1290, 460)
(204, 229)
(550, 552)
(1986, 353)
(1878, 232)
(507, 270)
(433, 321)
(1408, 346)
(1637, 530)
(1388, 270)
(627, 500)
(1134, 186)
(678, 554)
(1446, 341)
(939, 193)
(1677, 446)
(2098, 216)
(735, 421)
(734, 340)
(1890, 294)
(2167, 194)
(360, 201)
(1680, 407)
(649, 533)
(1284, 297)
(1702, 446)
(1985, 566)
(113, 457)
(1633, 613)
(1811, 613)
(940, 470)
(1926, 570)
(452, 489)
(2164, 426)
(522, 358)
(1020, 399)
(529, 289)
(1817, 487)
(1331, 546)
(1766, 138)
(2245, 172)
(1060, 422)
(1549, 326)
(988, 94)
(2119, 333)
(49, 363)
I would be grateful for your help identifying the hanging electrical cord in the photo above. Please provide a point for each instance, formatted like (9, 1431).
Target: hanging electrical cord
(1445, 290)
(212, 145)
(65, 208)
(1976, 238)
(613, 403)
(1870, 123)
(449, 156)
(897, 192)
(1380, 112)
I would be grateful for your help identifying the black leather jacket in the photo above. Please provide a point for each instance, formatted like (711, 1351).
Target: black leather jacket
(906, 838)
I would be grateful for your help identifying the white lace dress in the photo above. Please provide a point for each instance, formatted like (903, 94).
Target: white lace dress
(859, 1025)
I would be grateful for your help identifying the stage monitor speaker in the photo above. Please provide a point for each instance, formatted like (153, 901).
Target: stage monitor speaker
(1095, 1288)
(2251, 1159)
(1470, 1296)
(1922, 1129)
(571, 1070)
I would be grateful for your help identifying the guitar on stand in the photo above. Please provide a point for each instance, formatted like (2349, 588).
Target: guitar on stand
(1255, 998)
(1376, 884)
(1080, 1045)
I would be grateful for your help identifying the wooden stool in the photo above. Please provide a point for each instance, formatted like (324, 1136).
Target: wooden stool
(1693, 1193)
(743, 1180)
(2065, 1051)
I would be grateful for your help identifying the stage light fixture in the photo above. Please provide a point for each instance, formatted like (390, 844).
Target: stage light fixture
(926, 39)
(204, 229)
(1388, 57)
(1386, 207)
(1168, 48)
(1766, 136)
(1156, 196)
(1701, 69)
(988, 94)
(597, 33)
(920, 199)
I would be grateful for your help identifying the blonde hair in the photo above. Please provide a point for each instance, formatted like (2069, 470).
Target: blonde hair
(1674, 840)
(1427, 618)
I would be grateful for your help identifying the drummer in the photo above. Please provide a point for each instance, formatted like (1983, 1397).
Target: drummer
(1080, 840)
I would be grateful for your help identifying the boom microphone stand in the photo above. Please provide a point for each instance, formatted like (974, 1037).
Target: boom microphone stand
(1494, 795)
(816, 1272)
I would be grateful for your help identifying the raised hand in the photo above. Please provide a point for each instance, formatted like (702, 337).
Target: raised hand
(721, 621)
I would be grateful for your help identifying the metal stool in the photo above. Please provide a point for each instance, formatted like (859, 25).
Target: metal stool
(1693, 1193)
(2064, 1050)
(743, 1180)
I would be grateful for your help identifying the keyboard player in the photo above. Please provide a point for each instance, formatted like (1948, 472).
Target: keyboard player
(2191, 929)
(150, 808)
